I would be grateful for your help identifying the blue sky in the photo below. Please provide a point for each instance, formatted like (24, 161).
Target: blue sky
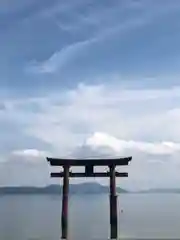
(77, 76)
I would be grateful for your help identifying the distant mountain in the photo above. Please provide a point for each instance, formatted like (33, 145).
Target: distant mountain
(83, 188)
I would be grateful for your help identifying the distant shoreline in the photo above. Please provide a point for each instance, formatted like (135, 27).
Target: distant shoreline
(77, 189)
(83, 188)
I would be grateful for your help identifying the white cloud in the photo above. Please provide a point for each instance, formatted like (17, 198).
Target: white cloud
(25, 167)
(132, 115)
(120, 146)
(153, 164)
(34, 153)
(27, 156)
(107, 121)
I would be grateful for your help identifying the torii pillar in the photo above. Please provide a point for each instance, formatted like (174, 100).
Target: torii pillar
(64, 213)
(113, 204)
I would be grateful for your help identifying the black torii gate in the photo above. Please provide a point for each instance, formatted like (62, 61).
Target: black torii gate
(89, 165)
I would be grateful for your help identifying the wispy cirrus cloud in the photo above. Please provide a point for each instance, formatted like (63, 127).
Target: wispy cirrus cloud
(98, 38)
(58, 60)
(101, 32)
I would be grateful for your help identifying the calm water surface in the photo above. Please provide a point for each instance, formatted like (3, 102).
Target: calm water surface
(38, 217)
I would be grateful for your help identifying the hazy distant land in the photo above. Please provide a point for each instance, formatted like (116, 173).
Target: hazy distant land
(161, 190)
(82, 188)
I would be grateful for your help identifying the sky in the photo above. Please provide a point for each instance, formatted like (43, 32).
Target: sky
(88, 78)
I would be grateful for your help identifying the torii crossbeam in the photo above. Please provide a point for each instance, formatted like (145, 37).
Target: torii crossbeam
(89, 165)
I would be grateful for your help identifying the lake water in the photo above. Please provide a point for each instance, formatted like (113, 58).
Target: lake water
(38, 217)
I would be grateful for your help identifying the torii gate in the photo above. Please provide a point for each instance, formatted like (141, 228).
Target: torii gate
(89, 165)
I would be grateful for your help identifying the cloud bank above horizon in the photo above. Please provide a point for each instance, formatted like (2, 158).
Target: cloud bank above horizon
(87, 78)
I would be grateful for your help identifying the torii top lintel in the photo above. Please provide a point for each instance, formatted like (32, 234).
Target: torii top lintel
(89, 162)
